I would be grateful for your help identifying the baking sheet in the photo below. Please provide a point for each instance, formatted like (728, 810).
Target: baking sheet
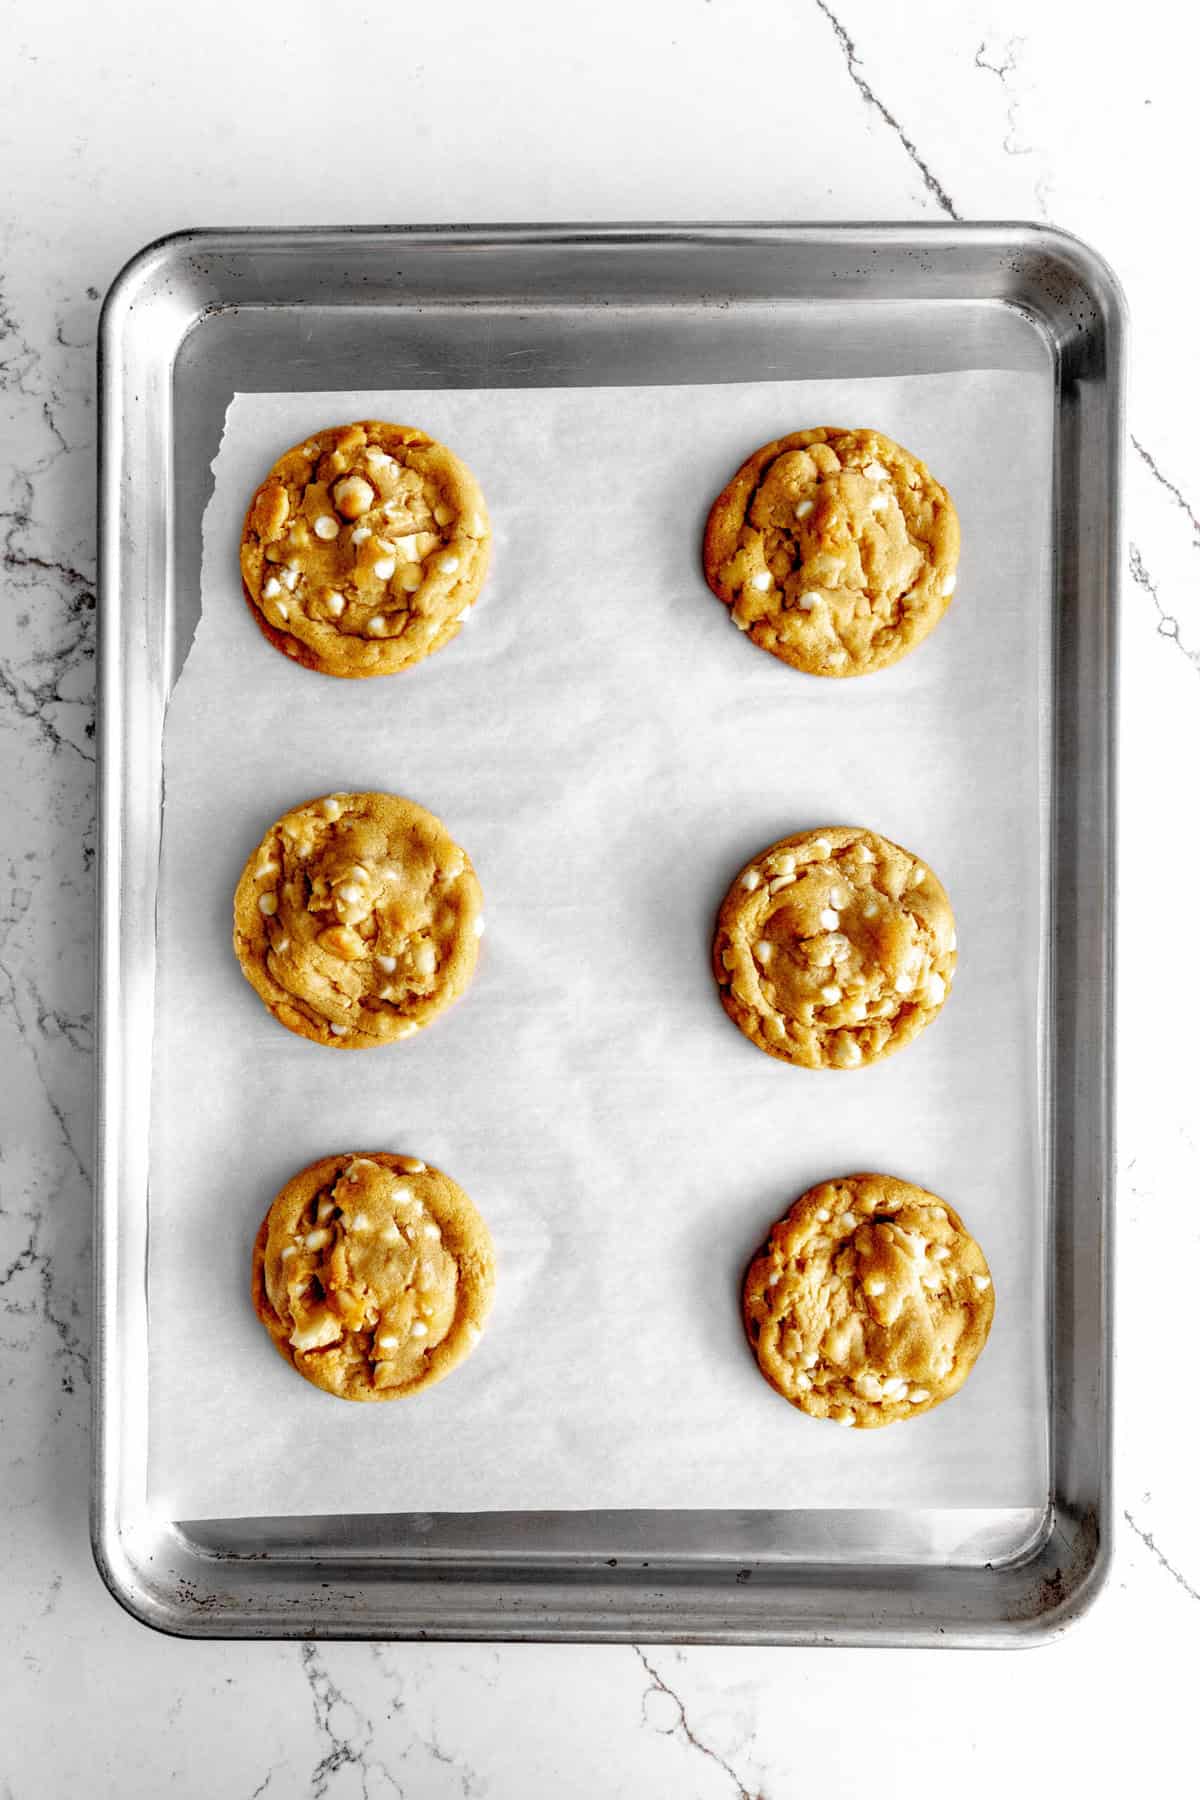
(610, 750)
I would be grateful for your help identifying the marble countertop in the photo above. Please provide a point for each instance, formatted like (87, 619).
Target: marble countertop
(117, 127)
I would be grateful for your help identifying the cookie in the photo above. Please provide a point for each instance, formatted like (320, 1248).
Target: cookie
(373, 1274)
(833, 948)
(869, 1302)
(364, 548)
(835, 550)
(357, 919)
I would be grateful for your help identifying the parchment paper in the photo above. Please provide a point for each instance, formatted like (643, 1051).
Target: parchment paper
(610, 749)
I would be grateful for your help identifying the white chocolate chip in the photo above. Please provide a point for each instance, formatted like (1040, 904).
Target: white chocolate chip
(267, 903)
(904, 984)
(339, 1030)
(324, 1211)
(402, 1195)
(808, 600)
(847, 1222)
(761, 581)
(473, 1334)
(377, 625)
(360, 534)
(822, 1213)
(870, 908)
(448, 565)
(848, 1051)
(406, 547)
(431, 1230)
(751, 880)
(385, 568)
(331, 808)
(390, 1233)
(387, 1343)
(940, 1253)
(288, 1251)
(810, 1360)
(443, 514)
(350, 893)
(317, 1240)
(465, 614)
(785, 864)
(982, 1282)
(917, 1395)
(764, 950)
(419, 1328)
(425, 959)
(821, 848)
(894, 1388)
(326, 527)
(876, 471)
(335, 603)
(876, 1286)
(936, 989)
(269, 867)
(949, 583)
(804, 507)
(829, 919)
(289, 579)
(781, 881)
(831, 994)
(270, 588)
(479, 925)
(412, 1165)
(411, 577)
(360, 1222)
(387, 964)
(877, 503)
(844, 1418)
(322, 1329)
(803, 1382)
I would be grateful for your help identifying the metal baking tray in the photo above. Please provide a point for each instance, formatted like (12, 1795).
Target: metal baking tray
(198, 316)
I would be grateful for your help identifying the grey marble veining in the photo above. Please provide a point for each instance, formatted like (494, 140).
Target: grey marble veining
(117, 129)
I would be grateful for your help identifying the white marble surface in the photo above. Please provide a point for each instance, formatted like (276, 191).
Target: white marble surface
(113, 130)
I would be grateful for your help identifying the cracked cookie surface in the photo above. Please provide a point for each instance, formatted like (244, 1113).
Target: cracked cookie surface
(835, 550)
(357, 919)
(373, 1274)
(363, 548)
(869, 1302)
(834, 947)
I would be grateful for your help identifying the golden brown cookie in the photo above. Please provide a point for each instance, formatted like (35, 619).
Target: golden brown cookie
(373, 1274)
(363, 549)
(835, 550)
(357, 919)
(869, 1302)
(834, 947)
